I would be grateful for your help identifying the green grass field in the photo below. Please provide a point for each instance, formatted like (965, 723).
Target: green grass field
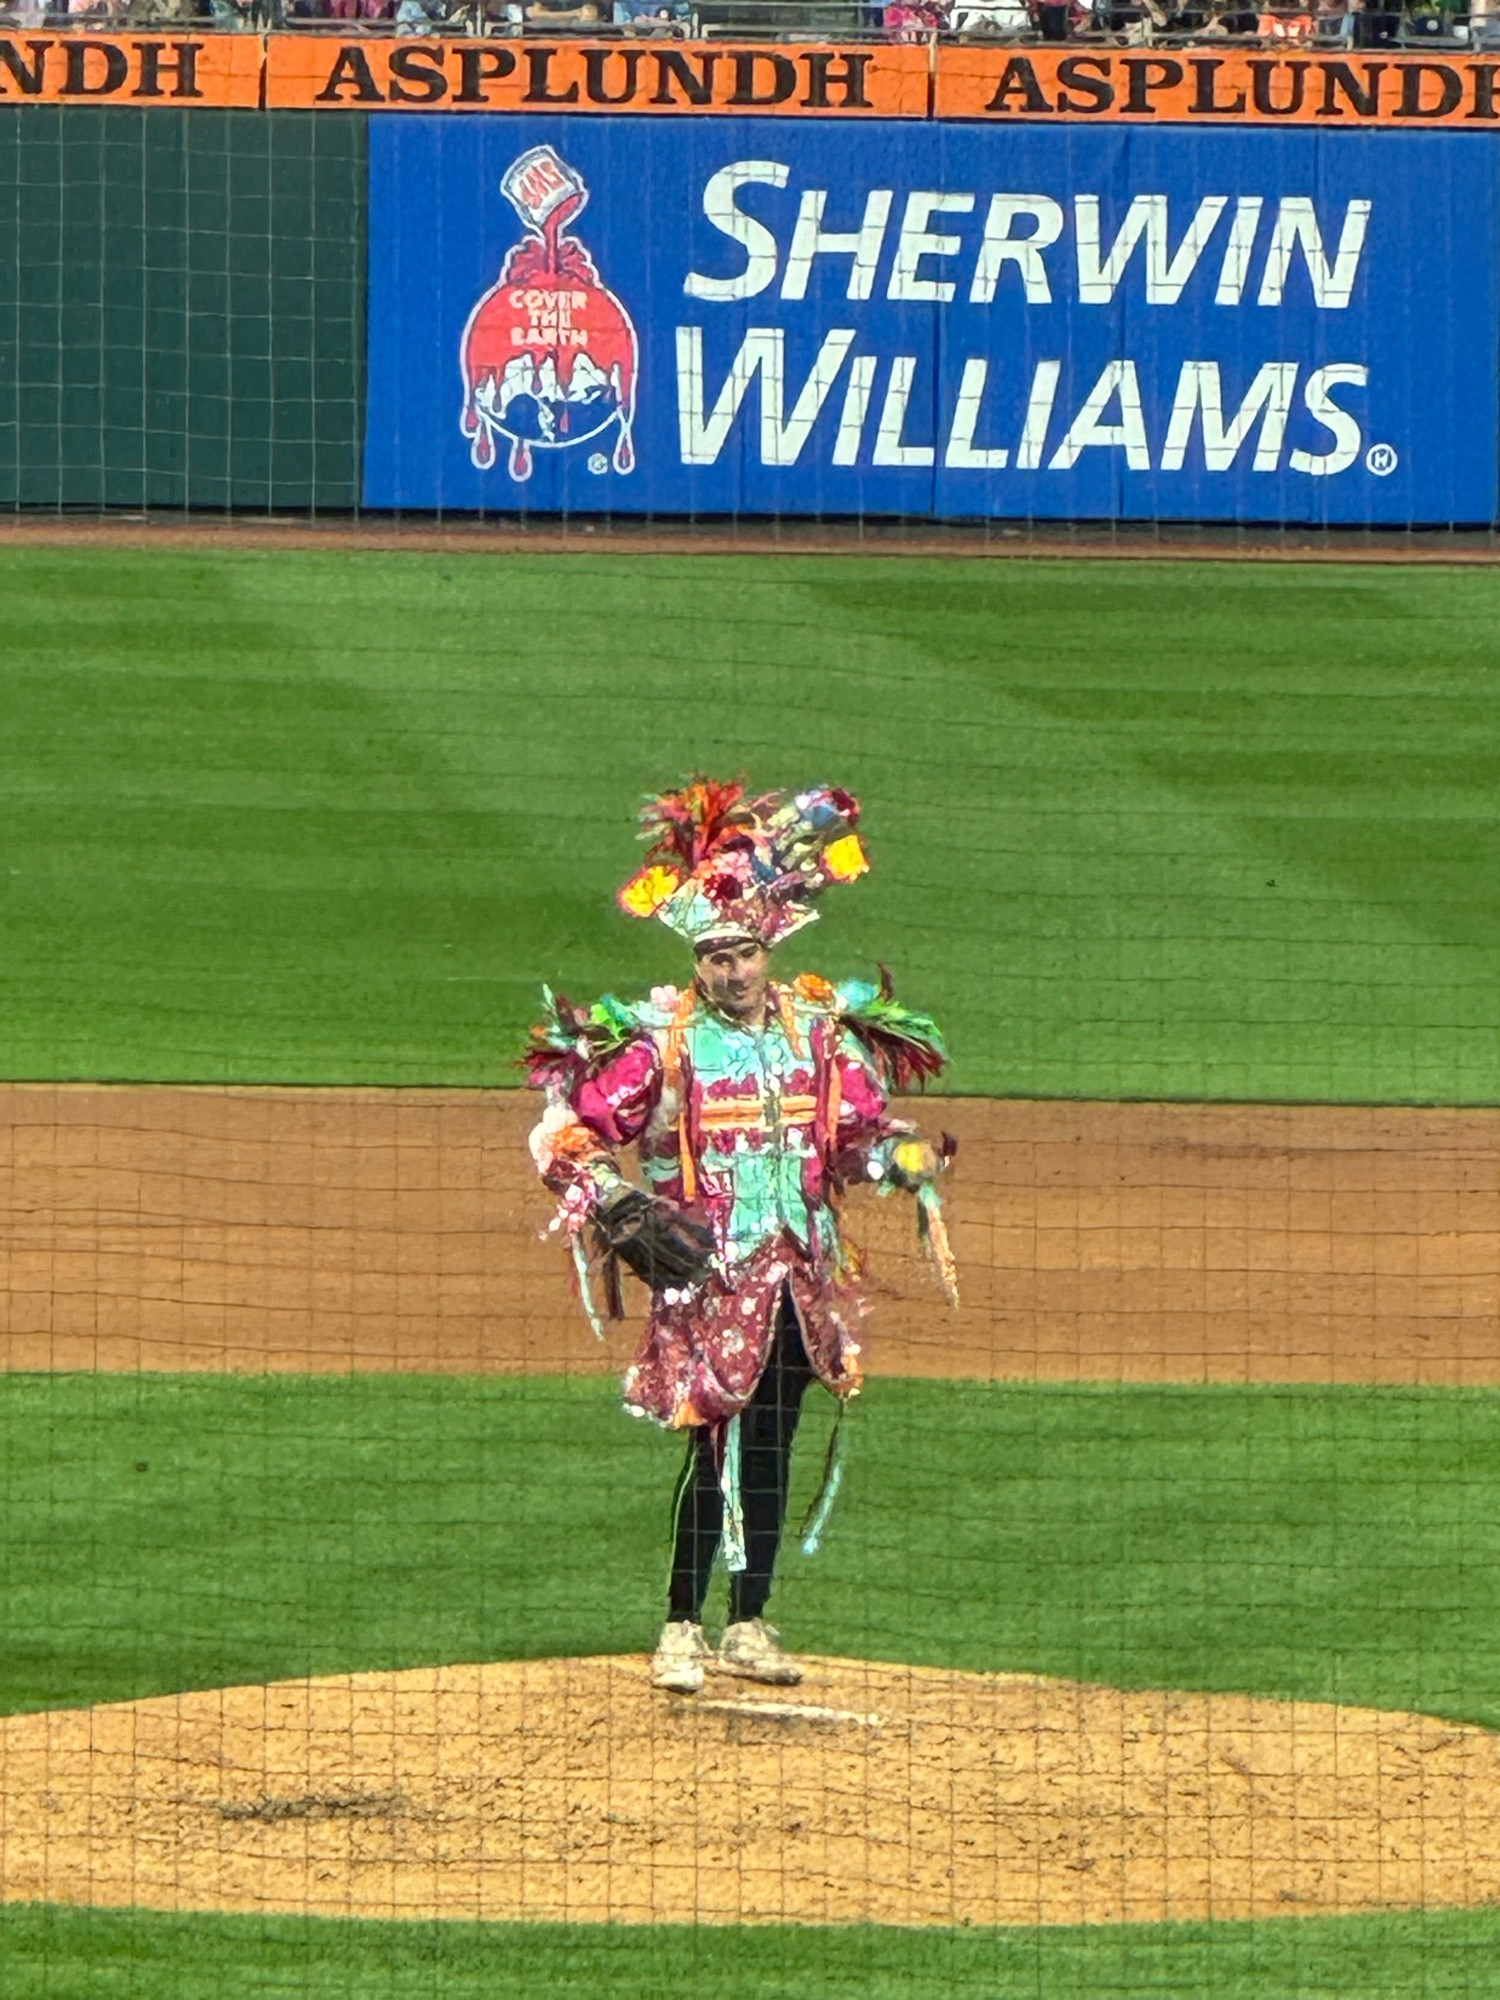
(1140, 830)
(1332, 1544)
(175, 1532)
(52, 1954)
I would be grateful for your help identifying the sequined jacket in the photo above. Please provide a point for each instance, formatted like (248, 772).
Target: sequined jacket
(754, 1131)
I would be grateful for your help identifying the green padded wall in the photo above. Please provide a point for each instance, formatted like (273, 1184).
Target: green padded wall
(181, 308)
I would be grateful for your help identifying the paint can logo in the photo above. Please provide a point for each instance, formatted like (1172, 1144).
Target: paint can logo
(549, 354)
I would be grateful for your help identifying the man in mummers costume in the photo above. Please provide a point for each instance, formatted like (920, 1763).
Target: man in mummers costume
(751, 1104)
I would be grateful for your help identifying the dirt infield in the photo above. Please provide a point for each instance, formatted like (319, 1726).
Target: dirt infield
(564, 1789)
(334, 1229)
(1122, 541)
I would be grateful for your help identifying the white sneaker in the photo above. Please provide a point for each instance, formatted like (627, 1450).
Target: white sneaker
(677, 1663)
(752, 1650)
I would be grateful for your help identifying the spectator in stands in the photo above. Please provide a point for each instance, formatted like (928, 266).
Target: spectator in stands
(654, 17)
(1429, 20)
(1227, 19)
(1335, 23)
(1286, 25)
(419, 17)
(1132, 23)
(1177, 19)
(1053, 19)
(552, 15)
(915, 20)
(1001, 19)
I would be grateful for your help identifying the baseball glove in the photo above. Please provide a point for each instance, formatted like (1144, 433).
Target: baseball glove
(660, 1244)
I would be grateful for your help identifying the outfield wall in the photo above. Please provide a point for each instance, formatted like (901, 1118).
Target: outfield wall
(181, 308)
(720, 281)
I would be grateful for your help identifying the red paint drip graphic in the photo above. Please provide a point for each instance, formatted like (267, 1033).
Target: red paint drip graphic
(549, 355)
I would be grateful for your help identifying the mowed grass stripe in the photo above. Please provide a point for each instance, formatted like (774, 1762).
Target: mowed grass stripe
(57, 1954)
(170, 1532)
(1140, 830)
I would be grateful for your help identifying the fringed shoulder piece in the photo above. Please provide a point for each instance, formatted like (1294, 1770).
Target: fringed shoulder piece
(570, 1042)
(907, 1047)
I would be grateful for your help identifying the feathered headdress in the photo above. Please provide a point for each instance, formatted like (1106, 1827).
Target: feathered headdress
(722, 865)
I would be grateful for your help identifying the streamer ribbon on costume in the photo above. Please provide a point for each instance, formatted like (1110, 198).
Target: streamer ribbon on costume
(818, 1514)
(733, 1538)
(585, 1283)
(934, 1234)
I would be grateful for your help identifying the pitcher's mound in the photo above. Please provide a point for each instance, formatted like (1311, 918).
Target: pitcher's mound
(567, 1789)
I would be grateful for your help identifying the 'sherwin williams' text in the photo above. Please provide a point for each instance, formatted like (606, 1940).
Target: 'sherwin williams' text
(950, 247)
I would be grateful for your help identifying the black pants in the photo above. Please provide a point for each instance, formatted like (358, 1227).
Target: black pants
(768, 1424)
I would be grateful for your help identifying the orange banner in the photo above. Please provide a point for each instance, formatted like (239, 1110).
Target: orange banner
(316, 73)
(130, 69)
(1181, 86)
(1241, 87)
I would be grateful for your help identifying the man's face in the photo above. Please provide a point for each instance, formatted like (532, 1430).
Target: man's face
(734, 976)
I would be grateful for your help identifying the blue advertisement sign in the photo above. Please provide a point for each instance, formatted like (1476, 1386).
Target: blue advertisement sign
(800, 317)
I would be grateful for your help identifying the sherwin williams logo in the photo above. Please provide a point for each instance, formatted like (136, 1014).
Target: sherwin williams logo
(549, 355)
(918, 410)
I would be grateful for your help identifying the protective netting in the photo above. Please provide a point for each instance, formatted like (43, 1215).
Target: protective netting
(182, 295)
(910, 289)
(1149, 1647)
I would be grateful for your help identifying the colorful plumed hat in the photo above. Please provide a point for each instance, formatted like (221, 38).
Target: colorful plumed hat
(721, 865)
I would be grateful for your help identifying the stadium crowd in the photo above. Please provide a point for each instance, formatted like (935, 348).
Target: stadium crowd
(1325, 24)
